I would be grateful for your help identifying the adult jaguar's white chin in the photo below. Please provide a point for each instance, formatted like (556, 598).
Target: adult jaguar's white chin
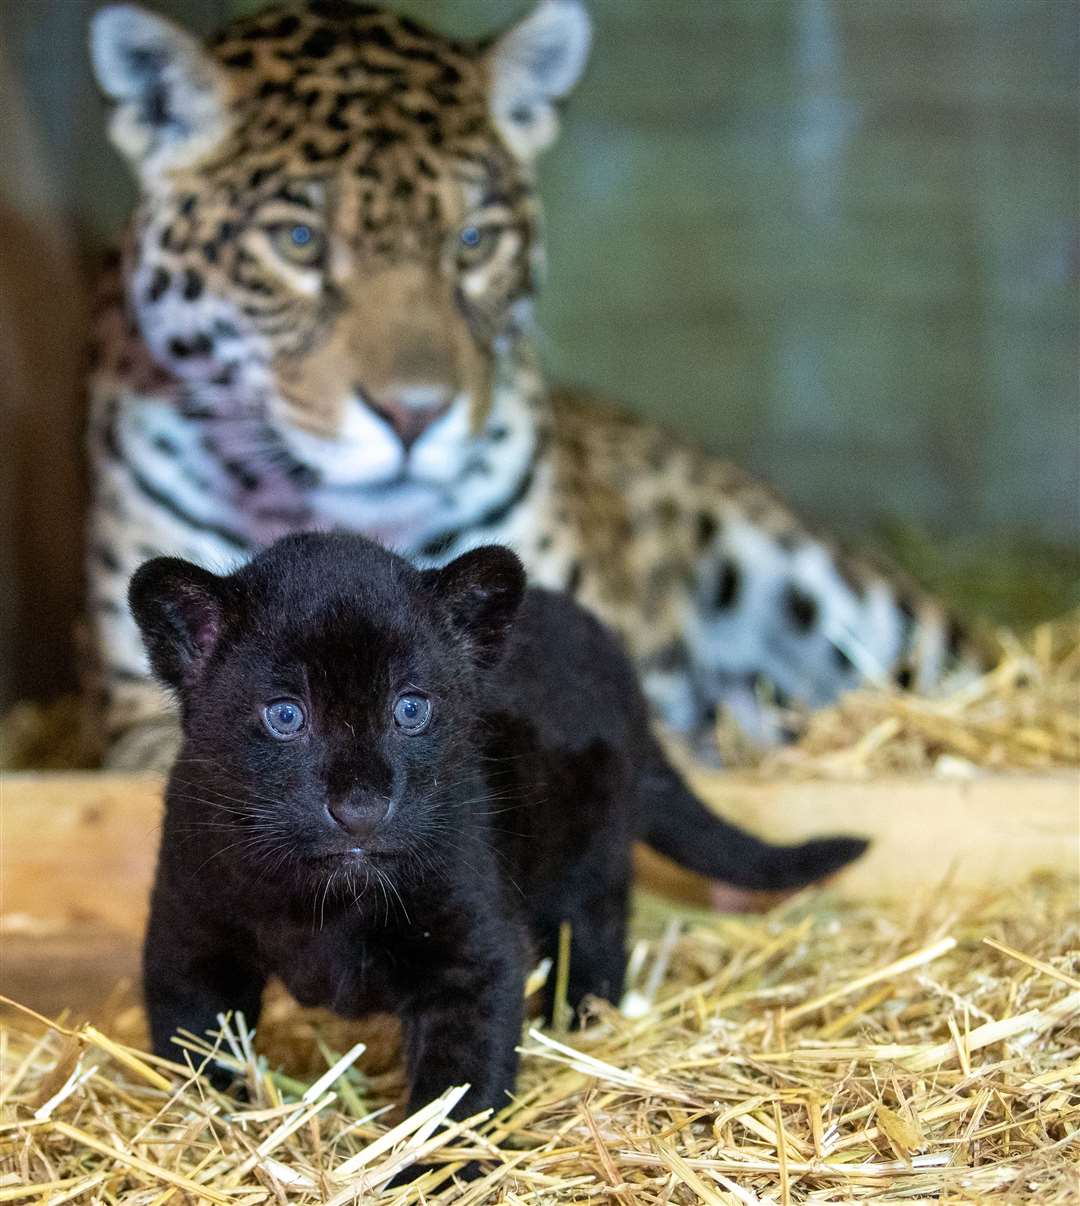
(366, 452)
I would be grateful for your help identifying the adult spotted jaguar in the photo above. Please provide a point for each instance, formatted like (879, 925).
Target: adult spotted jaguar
(322, 318)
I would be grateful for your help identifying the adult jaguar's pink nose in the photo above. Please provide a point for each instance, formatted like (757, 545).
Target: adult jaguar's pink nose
(410, 411)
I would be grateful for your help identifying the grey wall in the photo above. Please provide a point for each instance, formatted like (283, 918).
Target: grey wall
(836, 239)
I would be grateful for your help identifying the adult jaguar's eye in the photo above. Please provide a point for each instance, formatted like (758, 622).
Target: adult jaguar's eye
(412, 712)
(299, 242)
(284, 718)
(475, 244)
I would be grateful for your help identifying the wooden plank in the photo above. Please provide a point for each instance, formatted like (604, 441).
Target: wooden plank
(78, 853)
(76, 863)
(80, 847)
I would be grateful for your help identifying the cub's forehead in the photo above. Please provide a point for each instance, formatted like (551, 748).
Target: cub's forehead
(331, 583)
(353, 637)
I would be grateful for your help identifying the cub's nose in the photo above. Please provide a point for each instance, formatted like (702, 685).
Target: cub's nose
(411, 410)
(358, 817)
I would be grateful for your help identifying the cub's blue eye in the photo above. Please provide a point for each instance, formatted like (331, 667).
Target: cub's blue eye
(284, 718)
(412, 712)
(301, 235)
(471, 236)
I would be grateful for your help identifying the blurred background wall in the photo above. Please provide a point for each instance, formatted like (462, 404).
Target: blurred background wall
(837, 240)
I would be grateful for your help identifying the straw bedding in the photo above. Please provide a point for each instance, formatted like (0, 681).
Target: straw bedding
(816, 1054)
(1024, 714)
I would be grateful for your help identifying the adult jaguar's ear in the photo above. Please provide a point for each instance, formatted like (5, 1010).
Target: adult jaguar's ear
(180, 610)
(171, 97)
(483, 590)
(531, 66)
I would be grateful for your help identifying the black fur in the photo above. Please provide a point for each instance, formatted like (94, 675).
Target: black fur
(514, 811)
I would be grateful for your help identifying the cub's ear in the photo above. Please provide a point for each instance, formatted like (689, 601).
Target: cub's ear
(171, 97)
(531, 66)
(179, 609)
(483, 590)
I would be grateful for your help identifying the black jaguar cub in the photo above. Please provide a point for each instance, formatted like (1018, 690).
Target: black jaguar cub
(394, 785)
